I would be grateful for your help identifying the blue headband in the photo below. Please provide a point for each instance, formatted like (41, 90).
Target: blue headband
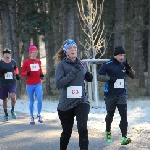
(67, 44)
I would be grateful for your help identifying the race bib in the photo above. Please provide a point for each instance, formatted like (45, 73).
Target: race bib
(119, 83)
(34, 67)
(74, 92)
(8, 75)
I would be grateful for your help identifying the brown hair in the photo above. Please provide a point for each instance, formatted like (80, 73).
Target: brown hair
(59, 55)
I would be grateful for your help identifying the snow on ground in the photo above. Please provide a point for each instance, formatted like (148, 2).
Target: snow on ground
(138, 114)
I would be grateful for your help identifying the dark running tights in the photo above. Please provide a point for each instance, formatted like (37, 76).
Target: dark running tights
(81, 112)
(122, 108)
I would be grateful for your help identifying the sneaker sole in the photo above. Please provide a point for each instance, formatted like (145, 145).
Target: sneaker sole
(109, 140)
(5, 120)
(40, 121)
(14, 117)
(31, 123)
(127, 142)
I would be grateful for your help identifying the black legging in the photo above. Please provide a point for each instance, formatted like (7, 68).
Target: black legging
(81, 112)
(122, 108)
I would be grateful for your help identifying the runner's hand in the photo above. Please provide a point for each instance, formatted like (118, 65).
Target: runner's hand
(127, 65)
(17, 77)
(41, 76)
(88, 77)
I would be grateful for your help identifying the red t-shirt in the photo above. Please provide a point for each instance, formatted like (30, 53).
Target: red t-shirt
(34, 67)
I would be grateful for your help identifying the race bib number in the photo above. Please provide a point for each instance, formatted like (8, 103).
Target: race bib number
(34, 67)
(8, 75)
(119, 83)
(74, 92)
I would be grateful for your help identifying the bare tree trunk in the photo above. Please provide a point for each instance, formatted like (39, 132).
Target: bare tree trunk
(15, 46)
(6, 26)
(70, 20)
(138, 50)
(148, 82)
(25, 7)
(25, 48)
(77, 31)
(26, 44)
(0, 39)
(64, 21)
(12, 16)
(119, 36)
(56, 25)
(35, 38)
(48, 54)
(48, 67)
(25, 37)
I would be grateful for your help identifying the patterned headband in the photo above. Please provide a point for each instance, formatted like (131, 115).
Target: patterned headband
(67, 44)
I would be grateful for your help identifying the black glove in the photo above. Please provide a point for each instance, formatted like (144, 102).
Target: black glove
(4, 71)
(88, 77)
(28, 73)
(15, 67)
(127, 65)
(113, 79)
(41, 75)
(17, 77)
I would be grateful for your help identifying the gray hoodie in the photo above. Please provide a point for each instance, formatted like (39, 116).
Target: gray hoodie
(67, 75)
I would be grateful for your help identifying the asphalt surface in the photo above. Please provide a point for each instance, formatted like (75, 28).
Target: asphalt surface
(18, 134)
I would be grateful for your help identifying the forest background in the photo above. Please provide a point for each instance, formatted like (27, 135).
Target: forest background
(47, 23)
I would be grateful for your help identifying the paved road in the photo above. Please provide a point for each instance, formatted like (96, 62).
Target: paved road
(17, 134)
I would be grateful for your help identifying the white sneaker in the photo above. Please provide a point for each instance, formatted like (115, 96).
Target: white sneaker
(39, 118)
(32, 121)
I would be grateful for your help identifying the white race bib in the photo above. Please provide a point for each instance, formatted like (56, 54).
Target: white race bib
(74, 92)
(34, 67)
(8, 75)
(119, 83)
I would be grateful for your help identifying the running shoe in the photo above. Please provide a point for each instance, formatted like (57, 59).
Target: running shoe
(125, 141)
(6, 118)
(108, 137)
(13, 114)
(39, 119)
(32, 121)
